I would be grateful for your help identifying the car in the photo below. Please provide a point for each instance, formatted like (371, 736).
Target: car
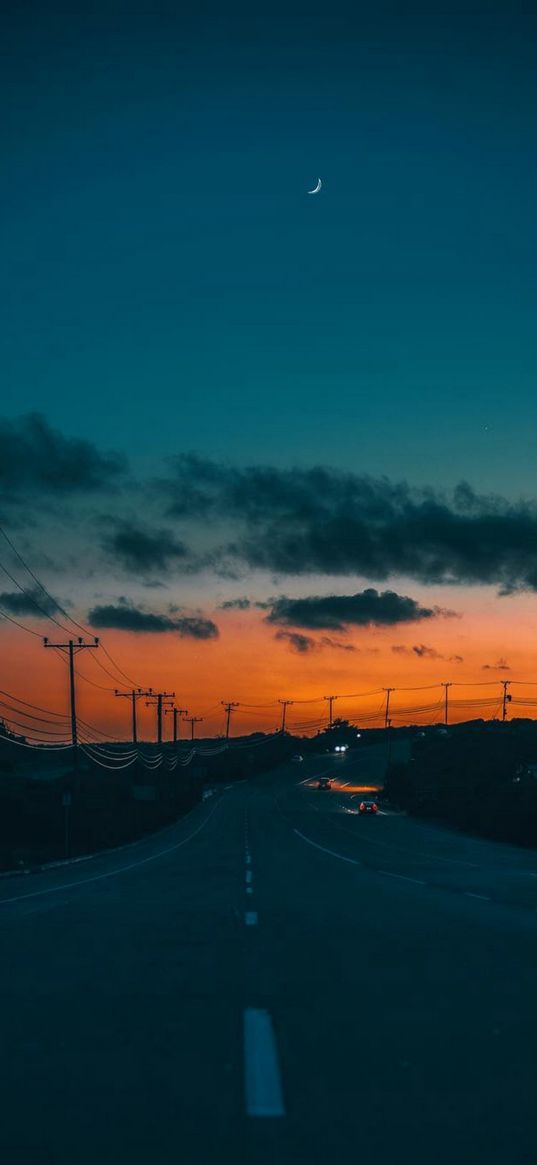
(368, 807)
(297, 758)
(324, 783)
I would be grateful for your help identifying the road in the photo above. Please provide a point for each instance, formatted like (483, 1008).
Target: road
(274, 979)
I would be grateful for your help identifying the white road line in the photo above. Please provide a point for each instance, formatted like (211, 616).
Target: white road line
(351, 861)
(402, 877)
(112, 873)
(248, 860)
(249, 889)
(484, 897)
(262, 1083)
(250, 918)
(249, 877)
(404, 849)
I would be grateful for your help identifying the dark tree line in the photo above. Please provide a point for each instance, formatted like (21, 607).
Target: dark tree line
(480, 779)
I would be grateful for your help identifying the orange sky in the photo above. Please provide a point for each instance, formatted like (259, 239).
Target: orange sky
(247, 664)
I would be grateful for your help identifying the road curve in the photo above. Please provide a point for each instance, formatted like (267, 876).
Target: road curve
(274, 979)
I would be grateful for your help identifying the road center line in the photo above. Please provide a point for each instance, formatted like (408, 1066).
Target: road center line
(484, 897)
(249, 877)
(262, 1083)
(250, 918)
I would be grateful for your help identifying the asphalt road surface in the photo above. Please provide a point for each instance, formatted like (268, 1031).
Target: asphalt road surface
(275, 979)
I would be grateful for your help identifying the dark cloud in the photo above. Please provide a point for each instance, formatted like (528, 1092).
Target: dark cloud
(326, 641)
(369, 608)
(301, 644)
(31, 602)
(500, 665)
(422, 651)
(196, 627)
(297, 521)
(34, 458)
(235, 605)
(125, 617)
(138, 549)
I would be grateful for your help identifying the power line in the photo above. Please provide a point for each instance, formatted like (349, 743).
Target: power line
(34, 706)
(17, 624)
(56, 604)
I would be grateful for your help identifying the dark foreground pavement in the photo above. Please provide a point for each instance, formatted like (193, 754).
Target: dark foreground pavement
(274, 979)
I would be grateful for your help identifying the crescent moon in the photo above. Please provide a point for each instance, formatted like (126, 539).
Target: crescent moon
(316, 188)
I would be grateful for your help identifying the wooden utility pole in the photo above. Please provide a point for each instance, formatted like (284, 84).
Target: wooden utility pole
(330, 704)
(159, 699)
(72, 648)
(192, 720)
(134, 696)
(175, 712)
(387, 712)
(285, 704)
(229, 709)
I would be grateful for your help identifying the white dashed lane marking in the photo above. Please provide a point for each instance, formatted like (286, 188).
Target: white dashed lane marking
(263, 1095)
(250, 918)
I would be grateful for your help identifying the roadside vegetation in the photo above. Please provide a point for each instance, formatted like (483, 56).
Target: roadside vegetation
(480, 777)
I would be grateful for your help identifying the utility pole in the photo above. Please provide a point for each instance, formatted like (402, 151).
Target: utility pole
(330, 703)
(446, 688)
(229, 709)
(71, 649)
(506, 698)
(285, 704)
(387, 712)
(160, 698)
(133, 696)
(192, 720)
(175, 712)
(389, 727)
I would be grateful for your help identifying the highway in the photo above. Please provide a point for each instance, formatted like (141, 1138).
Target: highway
(274, 979)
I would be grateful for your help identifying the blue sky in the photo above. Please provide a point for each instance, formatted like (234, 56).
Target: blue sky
(170, 285)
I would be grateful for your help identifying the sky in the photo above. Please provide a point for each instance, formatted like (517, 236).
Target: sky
(219, 389)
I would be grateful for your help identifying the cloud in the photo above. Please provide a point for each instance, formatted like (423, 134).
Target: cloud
(125, 617)
(298, 521)
(31, 602)
(422, 651)
(326, 641)
(35, 458)
(138, 549)
(500, 665)
(302, 644)
(369, 608)
(235, 605)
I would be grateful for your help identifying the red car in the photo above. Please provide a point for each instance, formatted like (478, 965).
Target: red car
(368, 807)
